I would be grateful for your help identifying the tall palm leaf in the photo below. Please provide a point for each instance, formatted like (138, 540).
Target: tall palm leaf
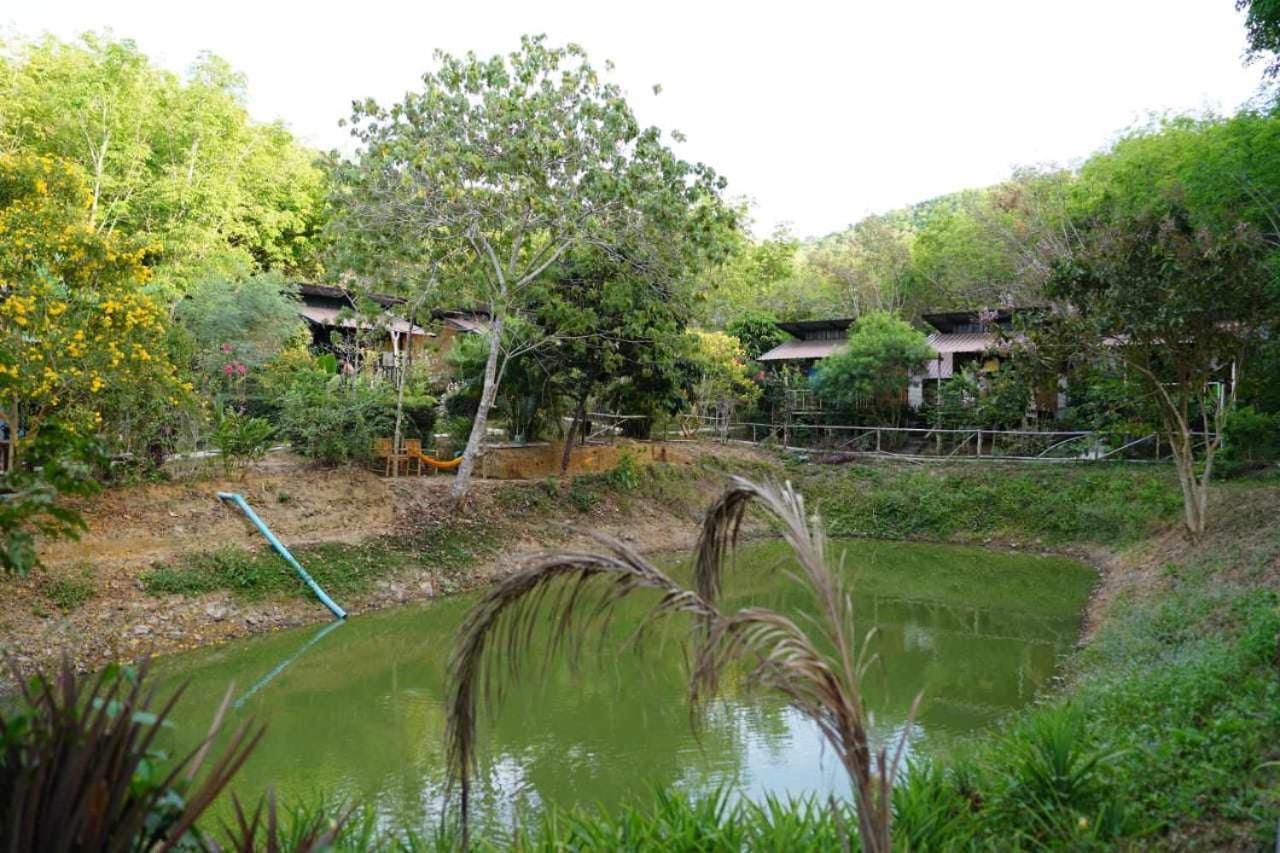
(571, 591)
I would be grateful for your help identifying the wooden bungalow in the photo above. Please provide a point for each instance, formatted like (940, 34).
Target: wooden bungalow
(959, 340)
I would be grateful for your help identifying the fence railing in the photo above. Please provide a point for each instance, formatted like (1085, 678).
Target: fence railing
(833, 441)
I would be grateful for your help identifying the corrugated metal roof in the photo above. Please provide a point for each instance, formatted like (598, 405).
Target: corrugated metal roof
(324, 316)
(802, 328)
(802, 350)
(940, 343)
(963, 342)
(464, 324)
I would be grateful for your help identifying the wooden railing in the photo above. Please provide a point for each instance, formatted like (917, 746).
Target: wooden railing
(943, 443)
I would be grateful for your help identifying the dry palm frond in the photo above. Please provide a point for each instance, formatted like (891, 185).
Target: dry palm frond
(502, 625)
(825, 687)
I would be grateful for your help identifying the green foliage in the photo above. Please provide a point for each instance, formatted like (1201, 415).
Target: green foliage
(1262, 26)
(757, 331)
(57, 463)
(872, 371)
(526, 396)
(625, 475)
(341, 569)
(582, 499)
(1252, 436)
(869, 265)
(718, 376)
(756, 277)
(241, 440)
(175, 162)
(333, 419)
(68, 592)
(237, 327)
(1105, 503)
(79, 768)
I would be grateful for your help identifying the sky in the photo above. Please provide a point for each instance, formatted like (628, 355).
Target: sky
(818, 113)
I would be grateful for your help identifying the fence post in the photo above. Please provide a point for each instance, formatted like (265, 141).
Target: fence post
(979, 442)
(877, 439)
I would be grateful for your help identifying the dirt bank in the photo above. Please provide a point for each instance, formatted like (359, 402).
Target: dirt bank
(89, 601)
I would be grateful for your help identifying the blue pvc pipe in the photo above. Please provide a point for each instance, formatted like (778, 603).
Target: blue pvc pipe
(328, 602)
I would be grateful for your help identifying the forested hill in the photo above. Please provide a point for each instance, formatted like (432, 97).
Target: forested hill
(994, 245)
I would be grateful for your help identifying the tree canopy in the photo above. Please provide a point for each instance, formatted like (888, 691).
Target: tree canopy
(872, 371)
(492, 173)
(77, 325)
(174, 160)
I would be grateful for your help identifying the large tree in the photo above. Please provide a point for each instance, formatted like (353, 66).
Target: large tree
(172, 160)
(1181, 305)
(77, 325)
(1262, 26)
(498, 168)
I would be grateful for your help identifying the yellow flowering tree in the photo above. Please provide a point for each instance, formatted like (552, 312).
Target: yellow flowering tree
(76, 320)
(719, 379)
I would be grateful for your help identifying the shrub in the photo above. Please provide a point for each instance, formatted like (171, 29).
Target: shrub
(1251, 436)
(582, 500)
(419, 416)
(240, 439)
(56, 462)
(332, 419)
(625, 475)
(79, 770)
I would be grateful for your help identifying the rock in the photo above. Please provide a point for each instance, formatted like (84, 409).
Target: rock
(142, 630)
(251, 620)
(216, 612)
(427, 588)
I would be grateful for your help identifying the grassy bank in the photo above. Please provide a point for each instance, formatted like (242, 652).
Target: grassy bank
(1058, 505)
(447, 552)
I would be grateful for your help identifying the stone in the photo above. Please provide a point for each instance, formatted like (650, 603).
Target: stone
(428, 589)
(142, 630)
(216, 612)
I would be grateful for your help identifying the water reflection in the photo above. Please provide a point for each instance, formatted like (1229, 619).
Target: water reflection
(360, 713)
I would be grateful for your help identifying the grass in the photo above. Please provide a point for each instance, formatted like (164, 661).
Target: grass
(71, 591)
(1104, 504)
(447, 552)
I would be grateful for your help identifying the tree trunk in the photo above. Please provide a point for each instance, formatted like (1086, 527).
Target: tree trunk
(579, 415)
(1195, 490)
(403, 363)
(475, 442)
(11, 455)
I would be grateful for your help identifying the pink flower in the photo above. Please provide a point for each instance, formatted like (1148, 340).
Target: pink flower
(241, 369)
(226, 347)
(229, 369)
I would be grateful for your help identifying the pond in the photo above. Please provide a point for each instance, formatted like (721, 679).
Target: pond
(356, 710)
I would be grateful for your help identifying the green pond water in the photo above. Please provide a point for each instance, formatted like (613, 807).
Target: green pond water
(357, 710)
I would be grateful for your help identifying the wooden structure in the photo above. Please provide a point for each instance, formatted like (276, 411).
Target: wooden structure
(337, 327)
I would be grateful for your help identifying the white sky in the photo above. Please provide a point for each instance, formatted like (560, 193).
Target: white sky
(820, 113)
